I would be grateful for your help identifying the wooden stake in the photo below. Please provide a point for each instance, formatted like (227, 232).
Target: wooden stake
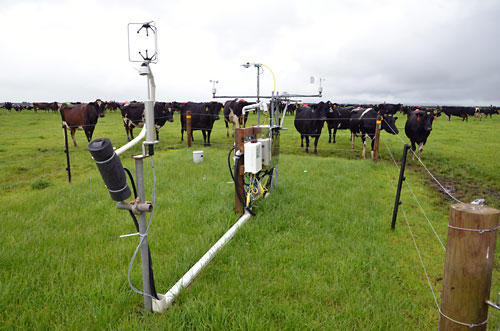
(188, 128)
(468, 266)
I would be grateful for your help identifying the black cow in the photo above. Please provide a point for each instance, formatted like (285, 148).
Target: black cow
(233, 114)
(418, 127)
(8, 106)
(203, 116)
(463, 112)
(112, 105)
(309, 120)
(388, 108)
(488, 111)
(133, 116)
(337, 118)
(363, 124)
(82, 117)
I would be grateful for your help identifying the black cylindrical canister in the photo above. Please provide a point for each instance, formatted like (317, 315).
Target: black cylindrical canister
(111, 168)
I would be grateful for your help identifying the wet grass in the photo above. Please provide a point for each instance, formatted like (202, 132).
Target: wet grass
(319, 254)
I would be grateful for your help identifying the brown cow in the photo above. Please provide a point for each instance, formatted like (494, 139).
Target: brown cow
(82, 117)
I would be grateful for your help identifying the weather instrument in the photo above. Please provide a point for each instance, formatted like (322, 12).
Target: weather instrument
(142, 48)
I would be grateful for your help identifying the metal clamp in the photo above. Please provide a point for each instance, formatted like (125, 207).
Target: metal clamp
(135, 206)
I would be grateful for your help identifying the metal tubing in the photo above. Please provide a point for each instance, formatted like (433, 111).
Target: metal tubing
(139, 175)
(169, 297)
(400, 183)
(131, 143)
(68, 168)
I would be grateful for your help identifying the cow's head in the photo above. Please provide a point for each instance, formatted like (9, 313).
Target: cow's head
(166, 110)
(213, 109)
(99, 107)
(389, 124)
(321, 108)
(428, 120)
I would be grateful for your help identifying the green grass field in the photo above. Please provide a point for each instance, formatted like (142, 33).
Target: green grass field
(319, 254)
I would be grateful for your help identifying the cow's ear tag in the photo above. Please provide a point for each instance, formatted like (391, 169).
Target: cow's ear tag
(435, 118)
(68, 103)
(206, 108)
(418, 118)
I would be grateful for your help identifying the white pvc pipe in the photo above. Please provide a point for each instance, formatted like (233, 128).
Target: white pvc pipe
(169, 297)
(134, 141)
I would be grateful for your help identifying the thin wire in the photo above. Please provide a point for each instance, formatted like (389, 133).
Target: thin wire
(437, 181)
(418, 202)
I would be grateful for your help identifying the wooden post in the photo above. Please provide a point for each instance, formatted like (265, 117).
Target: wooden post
(468, 266)
(188, 128)
(239, 137)
(378, 125)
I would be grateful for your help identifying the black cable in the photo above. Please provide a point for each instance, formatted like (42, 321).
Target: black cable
(229, 163)
(131, 181)
(236, 166)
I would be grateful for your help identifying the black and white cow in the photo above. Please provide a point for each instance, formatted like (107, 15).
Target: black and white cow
(309, 120)
(337, 118)
(418, 127)
(233, 114)
(133, 116)
(363, 124)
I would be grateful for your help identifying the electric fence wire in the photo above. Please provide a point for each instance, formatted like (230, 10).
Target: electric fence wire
(432, 176)
(470, 325)
(415, 197)
(143, 237)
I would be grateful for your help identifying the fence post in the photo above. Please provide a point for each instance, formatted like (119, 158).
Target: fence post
(188, 128)
(68, 168)
(400, 183)
(377, 137)
(468, 266)
(239, 190)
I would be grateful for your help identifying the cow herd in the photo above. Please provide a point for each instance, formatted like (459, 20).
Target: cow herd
(361, 120)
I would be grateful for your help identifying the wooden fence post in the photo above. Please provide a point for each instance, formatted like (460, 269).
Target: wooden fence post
(188, 128)
(377, 137)
(468, 266)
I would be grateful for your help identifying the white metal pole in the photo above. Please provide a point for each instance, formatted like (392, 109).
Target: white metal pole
(169, 297)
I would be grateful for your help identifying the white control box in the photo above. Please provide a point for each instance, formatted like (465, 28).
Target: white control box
(253, 157)
(266, 150)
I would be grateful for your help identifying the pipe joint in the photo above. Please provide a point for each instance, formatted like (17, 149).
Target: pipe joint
(135, 206)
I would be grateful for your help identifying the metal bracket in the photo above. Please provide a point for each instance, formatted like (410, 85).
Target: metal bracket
(135, 206)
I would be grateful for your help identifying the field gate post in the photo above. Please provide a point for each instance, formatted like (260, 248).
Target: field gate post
(377, 137)
(470, 250)
(402, 177)
(66, 150)
(188, 128)
(239, 190)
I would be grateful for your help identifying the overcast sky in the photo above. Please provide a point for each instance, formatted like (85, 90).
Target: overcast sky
(368, 51)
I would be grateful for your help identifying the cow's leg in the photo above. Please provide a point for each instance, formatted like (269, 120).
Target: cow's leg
(334, 134)
(413, 149)
(363, 138)
(73, 136)
(307, 144)
(330, 135)
(157, 134)
(352, 141)
(449, 117)
(182, 134)
(88, 133)
(301, 141)
(316, 144)
(204, 137)
(227, 128)
(131, 133)
(420, 150)
(372, 152)
(209, 132)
